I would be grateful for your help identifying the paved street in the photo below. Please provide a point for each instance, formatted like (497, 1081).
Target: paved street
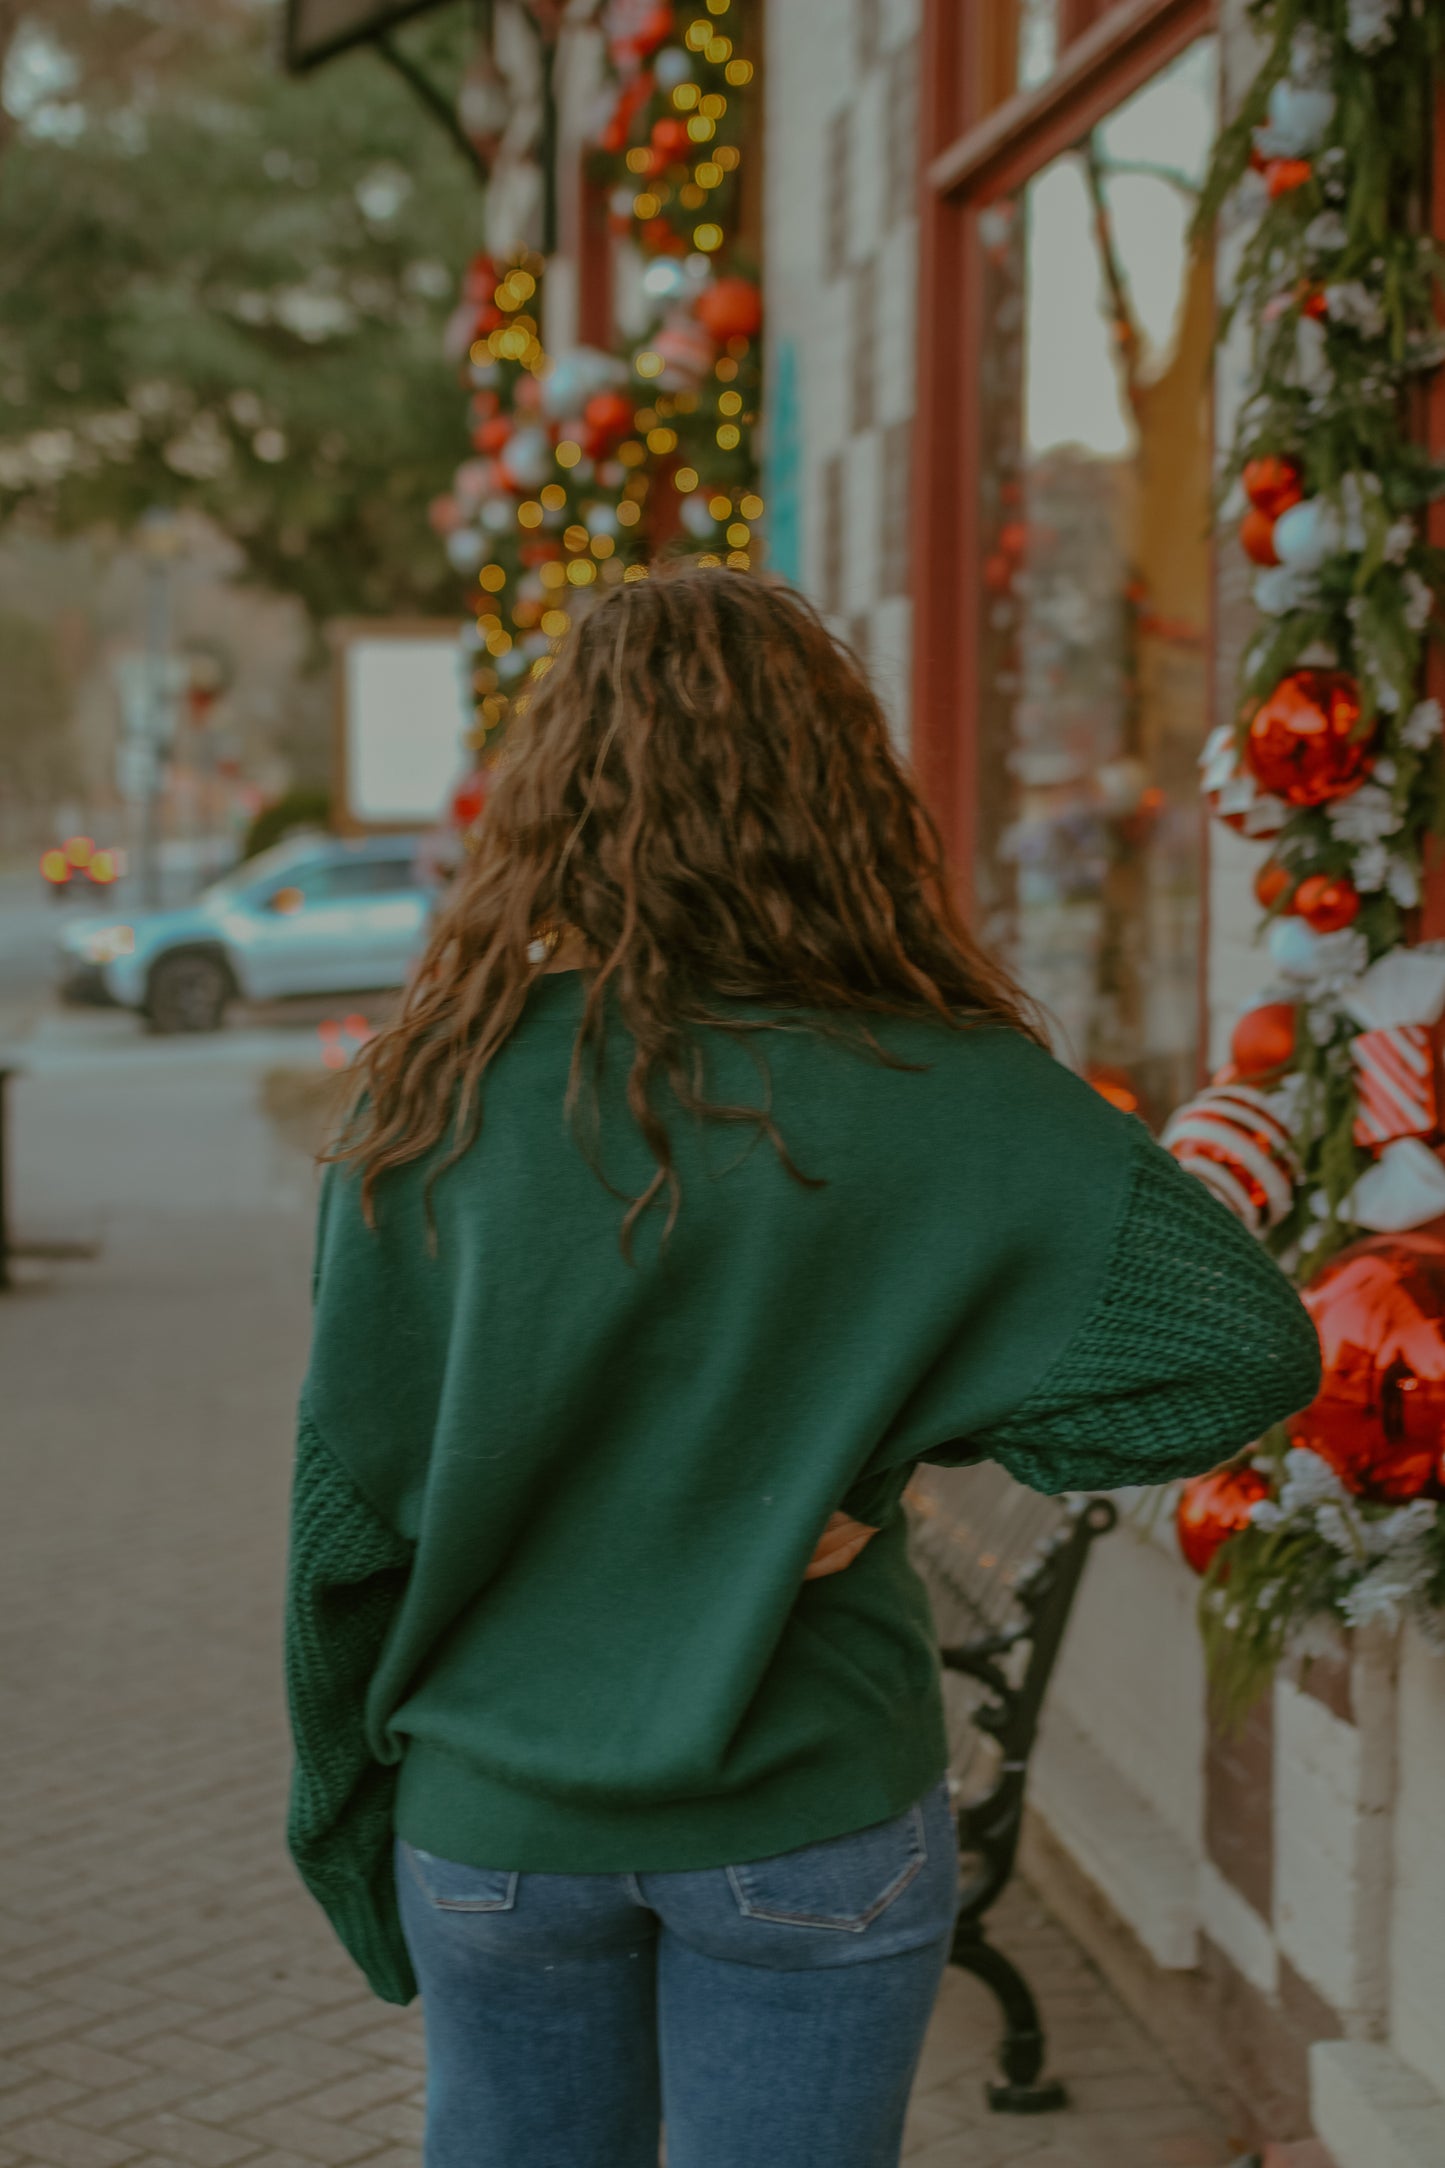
(168, 1996)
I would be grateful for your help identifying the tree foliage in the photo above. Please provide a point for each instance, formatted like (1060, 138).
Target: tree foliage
(223, 289)
(35, 760)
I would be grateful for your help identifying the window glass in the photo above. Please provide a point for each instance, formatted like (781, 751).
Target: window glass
(1095, 592)
(1038, 42)
(361, 877)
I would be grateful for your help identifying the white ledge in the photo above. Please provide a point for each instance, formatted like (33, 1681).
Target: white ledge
(1144, 1871)
(1372, 2110)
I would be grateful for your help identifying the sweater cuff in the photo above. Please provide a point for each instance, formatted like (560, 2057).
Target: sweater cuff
(367, 1923)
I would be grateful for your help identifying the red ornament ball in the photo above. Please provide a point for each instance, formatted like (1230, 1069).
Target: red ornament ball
(670, 139)
(469, 797)
(1305, 744)
(608, 414)
(1256, 537)
(1327, 902)
(730, 309)
(1283, 175)
(1270, 883)
(492, 435)
(1263, 1039)
(1379, 1309)
(1273, 484)
(1212, 1508)
(654, 30)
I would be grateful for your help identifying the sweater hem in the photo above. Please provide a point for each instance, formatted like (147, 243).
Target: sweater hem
(459, 1811)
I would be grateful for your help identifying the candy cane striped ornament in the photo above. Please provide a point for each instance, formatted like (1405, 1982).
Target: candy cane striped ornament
(1235, 1143)
(1395, 1083)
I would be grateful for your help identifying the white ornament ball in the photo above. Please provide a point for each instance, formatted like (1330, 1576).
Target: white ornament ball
(697, 519)
(664, 279)
(499, 515)
(601, 519)
(1294, 947)
(671, 67)
(528, 458)
(1298, 118)
(574, 377)
(1306, 536)
(465, 549)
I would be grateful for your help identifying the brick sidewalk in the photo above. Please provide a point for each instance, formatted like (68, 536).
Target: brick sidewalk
(169, 1998)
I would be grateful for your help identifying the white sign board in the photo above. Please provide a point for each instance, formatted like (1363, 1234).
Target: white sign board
(401, 723)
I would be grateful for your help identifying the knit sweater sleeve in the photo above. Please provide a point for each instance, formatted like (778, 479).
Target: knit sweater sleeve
(1195, 1344)
(346, 1574)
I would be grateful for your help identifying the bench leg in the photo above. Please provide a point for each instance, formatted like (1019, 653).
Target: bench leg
(1021, 2051)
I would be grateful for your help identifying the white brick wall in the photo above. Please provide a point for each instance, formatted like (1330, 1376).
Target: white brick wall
(1417, 1916)
(817, 81)
(1331, 1869)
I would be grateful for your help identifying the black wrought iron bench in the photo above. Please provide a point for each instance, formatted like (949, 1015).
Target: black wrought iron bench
(1002, 1566)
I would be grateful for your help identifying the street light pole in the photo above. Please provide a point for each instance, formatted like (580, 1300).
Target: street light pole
(159, 541)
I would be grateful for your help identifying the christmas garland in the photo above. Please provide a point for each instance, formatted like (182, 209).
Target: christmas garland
(549, 505)
(1320, 1130)
(670, 155)
(586, 465)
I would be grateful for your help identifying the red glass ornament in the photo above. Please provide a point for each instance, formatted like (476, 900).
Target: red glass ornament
(480, 279)
(608, 414)
(1270, 883)
(1115, 1085)
(654, 30)
(492, 435)
(671, 139)
(730, 309)
(1283, 175)
(1327, 902)
(1379, 1309)
(1256, 537)
(1313, 303)
(632, 97)
(469, 797)
(1273, 484)
(1212, 1508)
(1304, 743)
(1263, 1039)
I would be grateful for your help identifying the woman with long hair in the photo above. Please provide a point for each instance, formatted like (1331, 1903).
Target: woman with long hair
(710, 1179)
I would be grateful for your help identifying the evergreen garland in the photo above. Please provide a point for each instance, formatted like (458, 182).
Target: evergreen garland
(1338, 282)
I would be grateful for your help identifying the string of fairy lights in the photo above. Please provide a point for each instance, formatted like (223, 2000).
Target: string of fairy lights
(586, 466)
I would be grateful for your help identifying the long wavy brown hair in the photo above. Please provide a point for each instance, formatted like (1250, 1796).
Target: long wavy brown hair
(705, 790)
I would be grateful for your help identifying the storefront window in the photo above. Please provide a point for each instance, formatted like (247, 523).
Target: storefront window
(1095, 484)
(1038, 41)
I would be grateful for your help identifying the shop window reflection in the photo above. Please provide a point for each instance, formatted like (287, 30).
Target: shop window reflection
(1095, 481)
(1037, 41)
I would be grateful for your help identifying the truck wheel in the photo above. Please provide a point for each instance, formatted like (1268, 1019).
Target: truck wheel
(188, 992)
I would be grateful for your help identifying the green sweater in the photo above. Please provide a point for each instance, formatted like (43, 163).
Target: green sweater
(552, 1509)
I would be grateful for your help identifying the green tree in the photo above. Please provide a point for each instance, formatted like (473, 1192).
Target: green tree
(36, 765)
(223, 289)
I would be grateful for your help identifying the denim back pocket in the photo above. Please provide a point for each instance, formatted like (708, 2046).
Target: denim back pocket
(452, 1886)
(842, 1883)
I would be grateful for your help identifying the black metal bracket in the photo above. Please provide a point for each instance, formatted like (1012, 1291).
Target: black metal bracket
(440, 107)
(989, 1828)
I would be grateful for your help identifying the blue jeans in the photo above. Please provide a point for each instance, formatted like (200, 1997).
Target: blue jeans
(770, 2014)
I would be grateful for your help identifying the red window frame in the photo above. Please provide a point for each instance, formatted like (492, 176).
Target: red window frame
(971, 157)
(1432, 915)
